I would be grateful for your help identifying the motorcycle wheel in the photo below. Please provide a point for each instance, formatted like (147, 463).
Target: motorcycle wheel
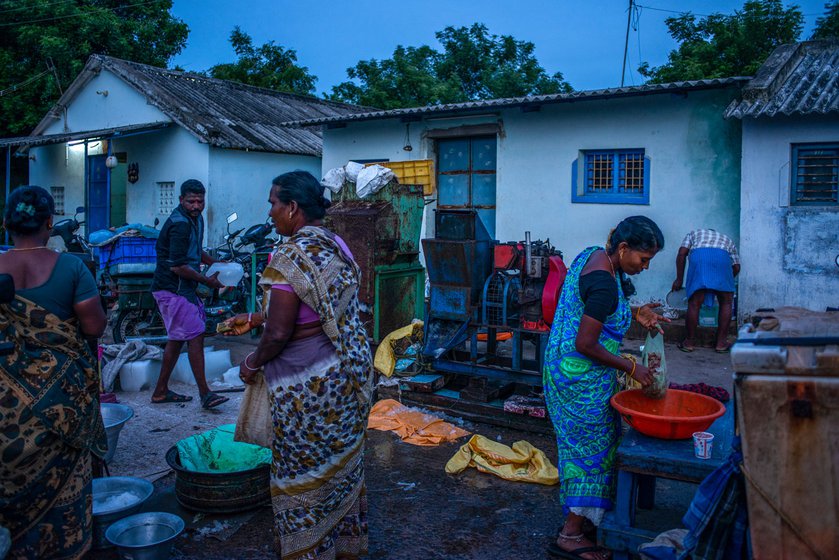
(137, 323)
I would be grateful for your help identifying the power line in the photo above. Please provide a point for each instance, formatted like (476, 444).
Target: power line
(24, 83)
(76, 15)
(684, 13)
(25, 8)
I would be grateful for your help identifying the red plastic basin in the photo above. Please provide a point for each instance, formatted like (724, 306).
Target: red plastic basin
(677, 416)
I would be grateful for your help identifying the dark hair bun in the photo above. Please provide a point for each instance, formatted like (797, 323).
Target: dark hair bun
(28, 209)
(325, 202)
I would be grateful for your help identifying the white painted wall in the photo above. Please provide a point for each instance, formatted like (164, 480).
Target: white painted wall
(788, 251)
(93, 111)
(170, 154)
(695, 168)
(240, 182)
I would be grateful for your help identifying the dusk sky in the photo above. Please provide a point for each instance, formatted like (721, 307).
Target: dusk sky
(583, 40)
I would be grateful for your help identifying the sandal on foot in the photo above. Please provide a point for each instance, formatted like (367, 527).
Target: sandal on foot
(172, 397)
(212, 400)
(576, 554)
(684, 347)
(724, 350)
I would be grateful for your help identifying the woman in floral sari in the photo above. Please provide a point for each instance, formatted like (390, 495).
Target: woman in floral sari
(582, 364)
(317, 367)
(50, 425)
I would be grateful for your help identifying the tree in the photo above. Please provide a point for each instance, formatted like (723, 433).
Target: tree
(269, 66)
(721, 45)
(827, 26)
(46, 34)
(472, 65)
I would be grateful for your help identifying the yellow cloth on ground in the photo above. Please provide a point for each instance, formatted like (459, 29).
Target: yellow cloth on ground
(522, 463)
(385, 360)
(413, 426)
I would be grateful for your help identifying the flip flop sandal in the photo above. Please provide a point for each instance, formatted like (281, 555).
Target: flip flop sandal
(172, 397)
(212, 400)
(724, 350)
(681, 346)
(556, 552)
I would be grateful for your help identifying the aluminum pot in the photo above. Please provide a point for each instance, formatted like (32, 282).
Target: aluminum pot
(112, 500)
(115, 416)
(145, 536)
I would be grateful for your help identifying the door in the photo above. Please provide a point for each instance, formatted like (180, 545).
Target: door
(466, 176)
(98, 212)
(118, 191)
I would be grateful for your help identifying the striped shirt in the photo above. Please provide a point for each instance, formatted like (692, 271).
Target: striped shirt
(711, 239)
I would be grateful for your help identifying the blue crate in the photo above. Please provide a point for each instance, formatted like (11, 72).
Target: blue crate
(128, 250)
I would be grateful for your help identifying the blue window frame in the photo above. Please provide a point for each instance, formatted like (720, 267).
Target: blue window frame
(611, 177)
(466, 176)
(815, 175)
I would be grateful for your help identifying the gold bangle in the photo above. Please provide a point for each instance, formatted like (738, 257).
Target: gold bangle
(632, 359)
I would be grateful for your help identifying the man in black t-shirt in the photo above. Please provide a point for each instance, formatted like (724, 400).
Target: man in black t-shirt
(176, 278)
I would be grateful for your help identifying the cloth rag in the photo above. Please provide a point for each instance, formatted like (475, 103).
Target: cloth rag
(521, 463)
(117, 355)
(412, 425)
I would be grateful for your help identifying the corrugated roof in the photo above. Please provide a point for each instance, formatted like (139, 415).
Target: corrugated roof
(45, 139)
(221, 113)
(530, 100)
(800, 79)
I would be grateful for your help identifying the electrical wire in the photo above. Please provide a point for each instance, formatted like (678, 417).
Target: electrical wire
(24, 8)
(56, 18)
(24, 83)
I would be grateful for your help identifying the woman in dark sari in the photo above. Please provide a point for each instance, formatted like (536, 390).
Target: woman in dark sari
(582, 366)
(50, 426)
(318, 372)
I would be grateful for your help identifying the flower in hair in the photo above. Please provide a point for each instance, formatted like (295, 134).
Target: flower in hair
(24, 208)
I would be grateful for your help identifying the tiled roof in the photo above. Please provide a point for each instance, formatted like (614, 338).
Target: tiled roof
(221, 113)
(530, 100)
(800, 79)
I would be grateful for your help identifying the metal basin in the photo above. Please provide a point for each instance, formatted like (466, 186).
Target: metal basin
(220, 492)
(145, 536)
(114, 498)
(115, 416)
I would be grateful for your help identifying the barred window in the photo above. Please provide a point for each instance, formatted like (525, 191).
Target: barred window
(612, 176)
(815, 174)
(166, 199)
(58, 196)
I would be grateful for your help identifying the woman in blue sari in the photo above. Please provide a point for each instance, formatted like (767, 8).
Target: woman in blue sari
(582, 364)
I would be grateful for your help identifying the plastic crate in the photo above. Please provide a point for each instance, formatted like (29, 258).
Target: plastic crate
(127, 250)
(416, 172)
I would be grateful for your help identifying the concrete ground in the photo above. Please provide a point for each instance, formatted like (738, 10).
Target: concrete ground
(417, 511)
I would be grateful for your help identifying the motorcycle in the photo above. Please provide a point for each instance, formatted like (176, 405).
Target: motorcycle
(139, 317)
(68, 231)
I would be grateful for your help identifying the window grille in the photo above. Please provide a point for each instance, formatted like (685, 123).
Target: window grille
(815, 174)
(58, 196)
(612, 176)
(166, 199)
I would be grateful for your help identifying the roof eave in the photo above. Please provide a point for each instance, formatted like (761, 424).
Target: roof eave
(511, 103)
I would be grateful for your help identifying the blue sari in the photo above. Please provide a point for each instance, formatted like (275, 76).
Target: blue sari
(577, 393)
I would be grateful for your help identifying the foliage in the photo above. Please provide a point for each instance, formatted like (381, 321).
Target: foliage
(36, 33)
(827, 26)
(269, 66)
(472, 65)
(726, 45)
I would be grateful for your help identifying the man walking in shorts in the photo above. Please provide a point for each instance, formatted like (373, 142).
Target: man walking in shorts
(176, 278)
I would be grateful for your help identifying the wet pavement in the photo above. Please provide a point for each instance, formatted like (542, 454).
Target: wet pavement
(417, 511)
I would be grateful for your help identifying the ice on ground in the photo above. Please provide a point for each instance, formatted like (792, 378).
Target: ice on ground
(111, 501)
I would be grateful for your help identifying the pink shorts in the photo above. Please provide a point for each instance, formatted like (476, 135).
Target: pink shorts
(183, 320)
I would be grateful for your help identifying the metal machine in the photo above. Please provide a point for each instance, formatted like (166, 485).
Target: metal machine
(490, 304)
